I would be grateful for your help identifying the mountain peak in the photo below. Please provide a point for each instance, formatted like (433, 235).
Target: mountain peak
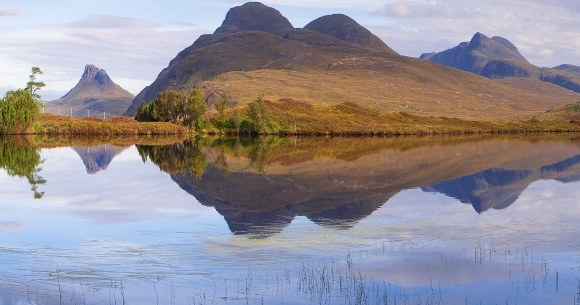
(345, 28)
(478, 39)
(95, 91)
(493, 57)
(255, 16)
(93, 73)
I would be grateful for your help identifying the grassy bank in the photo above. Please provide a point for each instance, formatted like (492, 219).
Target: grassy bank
(50, 124)
(291, 117)
(294, 117)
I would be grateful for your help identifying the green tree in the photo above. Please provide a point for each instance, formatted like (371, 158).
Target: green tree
(33, 84)
(19, 109)
(220, 107)
(237, 120)
(259, 115)
(176, 107)
(18, 112)
(194, 110)
(143, 114)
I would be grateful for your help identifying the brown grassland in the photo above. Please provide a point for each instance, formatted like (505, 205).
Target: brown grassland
(290, 116)
(50, 124)
(295, 117)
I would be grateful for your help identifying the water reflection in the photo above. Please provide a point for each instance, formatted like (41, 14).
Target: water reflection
(97, 158)
(498, 188)
(369, 220)
(20, 158)
(260, 185)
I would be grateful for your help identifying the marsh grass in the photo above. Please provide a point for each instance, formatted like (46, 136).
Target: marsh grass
(530, 276)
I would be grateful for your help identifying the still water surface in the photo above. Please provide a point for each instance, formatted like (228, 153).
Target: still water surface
(492, 220)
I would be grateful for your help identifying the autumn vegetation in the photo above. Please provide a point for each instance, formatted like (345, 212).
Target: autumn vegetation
(180, 112)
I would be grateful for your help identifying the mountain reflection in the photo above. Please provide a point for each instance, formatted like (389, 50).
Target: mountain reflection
(260, 185)
(97, 158)
(499, 188)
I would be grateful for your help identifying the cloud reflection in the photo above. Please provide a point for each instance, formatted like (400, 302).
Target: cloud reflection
(11, 225)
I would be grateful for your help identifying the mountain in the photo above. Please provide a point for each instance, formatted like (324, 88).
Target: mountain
(498, 58)
(93, 95)
(345, 28)
(254, 16)
(334, 60)
(494, 57)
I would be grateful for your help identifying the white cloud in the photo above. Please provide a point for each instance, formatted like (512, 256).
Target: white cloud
(128, 49)
(9, 12)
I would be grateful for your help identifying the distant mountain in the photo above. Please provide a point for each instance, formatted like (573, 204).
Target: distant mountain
(93, 95)
(494, 57)
(497, 57)
(334, 60)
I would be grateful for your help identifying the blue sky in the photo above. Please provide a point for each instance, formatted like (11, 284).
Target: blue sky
(133, 40)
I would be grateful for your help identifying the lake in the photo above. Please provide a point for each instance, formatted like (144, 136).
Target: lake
(415, 220)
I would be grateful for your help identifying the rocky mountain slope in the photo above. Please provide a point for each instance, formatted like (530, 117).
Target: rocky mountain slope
(497, 57)
(334, 60)
(95, 95)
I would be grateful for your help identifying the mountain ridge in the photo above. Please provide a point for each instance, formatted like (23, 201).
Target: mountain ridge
(497, 57)
(334, 60)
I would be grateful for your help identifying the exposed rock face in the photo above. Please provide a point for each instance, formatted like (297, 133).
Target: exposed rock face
(345, 28)
(255, 16)
(94, 92)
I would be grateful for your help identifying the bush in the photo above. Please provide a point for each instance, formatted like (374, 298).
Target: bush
(18, 112)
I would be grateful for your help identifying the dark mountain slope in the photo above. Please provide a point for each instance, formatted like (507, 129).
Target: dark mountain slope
(345, 28)
(253, 37)
(95, 92)
(255, 16)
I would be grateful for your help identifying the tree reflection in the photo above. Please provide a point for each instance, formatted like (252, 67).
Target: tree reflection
(20, 158)
(180, 158)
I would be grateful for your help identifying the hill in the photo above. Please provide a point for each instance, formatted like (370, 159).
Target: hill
(498, 58)
(94, 95)
(334, 60)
